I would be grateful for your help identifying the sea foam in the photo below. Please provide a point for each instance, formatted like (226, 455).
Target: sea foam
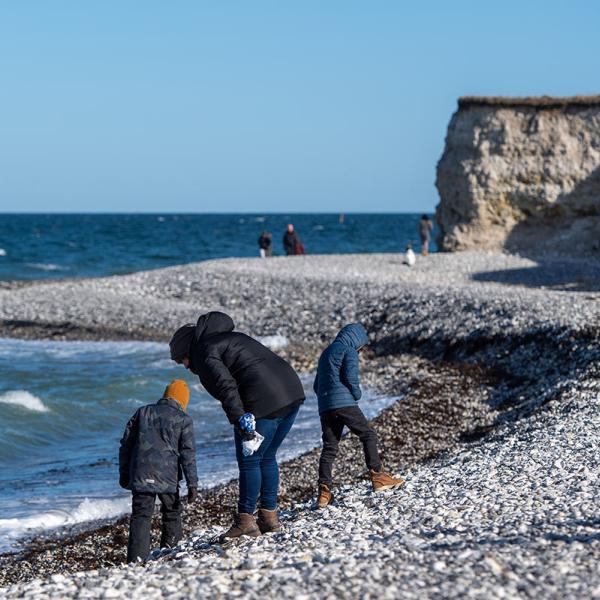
(88, 510)
(274, 342)
(23, 349)
(24, 399)
(46, 266)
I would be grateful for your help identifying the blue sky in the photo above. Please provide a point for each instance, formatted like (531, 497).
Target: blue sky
(261, 106)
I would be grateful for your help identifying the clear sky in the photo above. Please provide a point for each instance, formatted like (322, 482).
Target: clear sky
(255, 106)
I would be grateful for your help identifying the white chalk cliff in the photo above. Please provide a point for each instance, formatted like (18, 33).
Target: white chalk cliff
(522, 174)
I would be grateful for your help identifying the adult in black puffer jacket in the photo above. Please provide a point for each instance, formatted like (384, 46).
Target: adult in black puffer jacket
(248, 379)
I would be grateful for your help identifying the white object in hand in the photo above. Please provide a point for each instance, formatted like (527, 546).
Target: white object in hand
(249, 447)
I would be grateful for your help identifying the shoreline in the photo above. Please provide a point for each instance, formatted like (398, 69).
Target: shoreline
(470, 351)
(493, 518)
(421, 438)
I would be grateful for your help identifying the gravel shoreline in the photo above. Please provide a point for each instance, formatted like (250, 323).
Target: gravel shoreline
(304, 298)
(475, 342)
(513, 517)
(428, 420)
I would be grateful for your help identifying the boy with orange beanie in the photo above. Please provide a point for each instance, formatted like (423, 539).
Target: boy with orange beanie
(157, 447)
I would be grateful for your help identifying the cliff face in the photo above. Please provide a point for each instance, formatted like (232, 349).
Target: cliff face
(522, 174)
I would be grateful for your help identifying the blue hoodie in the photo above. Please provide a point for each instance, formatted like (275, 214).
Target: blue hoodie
(338, 382)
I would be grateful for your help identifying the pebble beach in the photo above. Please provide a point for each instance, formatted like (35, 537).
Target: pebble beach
(514, 517)
(495, 359)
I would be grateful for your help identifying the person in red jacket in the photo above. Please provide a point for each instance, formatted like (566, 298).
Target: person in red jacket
(291, 242)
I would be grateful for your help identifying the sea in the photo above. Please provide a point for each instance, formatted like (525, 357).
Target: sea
(64, 405)
(56, 246)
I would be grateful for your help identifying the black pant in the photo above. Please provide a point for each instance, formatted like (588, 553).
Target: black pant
(142, 508)
(332, 424)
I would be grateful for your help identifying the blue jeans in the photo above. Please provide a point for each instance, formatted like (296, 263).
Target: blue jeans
(259, 473)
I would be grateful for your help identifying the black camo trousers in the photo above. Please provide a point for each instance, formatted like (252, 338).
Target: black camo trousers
(142, 509)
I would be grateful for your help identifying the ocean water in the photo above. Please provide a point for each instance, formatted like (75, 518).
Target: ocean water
(63, 408)
(58, 246)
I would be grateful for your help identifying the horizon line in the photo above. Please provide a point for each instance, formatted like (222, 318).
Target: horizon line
(159, 213)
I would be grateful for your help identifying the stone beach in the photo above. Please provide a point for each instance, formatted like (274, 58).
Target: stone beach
(514, 517)
(496, 358)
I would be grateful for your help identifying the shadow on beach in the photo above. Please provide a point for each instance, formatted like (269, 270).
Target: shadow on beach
(557, 275)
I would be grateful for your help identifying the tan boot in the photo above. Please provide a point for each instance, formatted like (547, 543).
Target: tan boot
(268, 521)
(325, 496)
(382, 481)
(243, 524)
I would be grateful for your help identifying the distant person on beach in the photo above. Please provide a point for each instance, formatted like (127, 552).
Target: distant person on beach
(265, 244)
(260, 394)
(157, 448)
(291, 242)
(409, 256)
(425, 229)
(337, 386)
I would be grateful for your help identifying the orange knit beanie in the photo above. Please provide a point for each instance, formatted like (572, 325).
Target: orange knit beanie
(178, 390)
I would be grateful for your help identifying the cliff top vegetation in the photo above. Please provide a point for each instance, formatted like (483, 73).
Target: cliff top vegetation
(529, 101)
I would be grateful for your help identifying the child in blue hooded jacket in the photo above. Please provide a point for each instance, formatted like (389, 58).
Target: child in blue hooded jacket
(337, 386)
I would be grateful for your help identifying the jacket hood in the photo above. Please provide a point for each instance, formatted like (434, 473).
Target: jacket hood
(353, 335)
(171, 402)
(213, 323)
(181, 341)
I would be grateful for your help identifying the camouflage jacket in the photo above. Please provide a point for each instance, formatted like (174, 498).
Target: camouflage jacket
(157, 448)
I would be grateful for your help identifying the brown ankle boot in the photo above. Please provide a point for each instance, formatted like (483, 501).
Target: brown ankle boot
(325, 496)
(382, 481)
(243, 524)
(268, 521)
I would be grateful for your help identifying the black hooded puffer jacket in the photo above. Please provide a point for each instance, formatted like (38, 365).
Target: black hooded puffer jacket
(239, 371)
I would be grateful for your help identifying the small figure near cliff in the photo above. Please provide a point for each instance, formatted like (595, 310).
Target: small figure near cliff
(291, 242)
(265, 244)
(409, 256)
(425, 229)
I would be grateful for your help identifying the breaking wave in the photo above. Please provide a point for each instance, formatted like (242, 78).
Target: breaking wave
(274, 342)
(88, 510)
(24, 399)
